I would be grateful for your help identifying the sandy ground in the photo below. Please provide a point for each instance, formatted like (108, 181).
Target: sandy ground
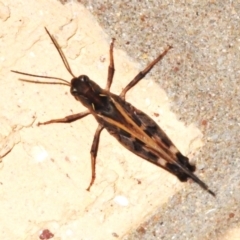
(45, 170)
(203, 85)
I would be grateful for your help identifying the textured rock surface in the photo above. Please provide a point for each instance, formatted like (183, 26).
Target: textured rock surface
(44, 170)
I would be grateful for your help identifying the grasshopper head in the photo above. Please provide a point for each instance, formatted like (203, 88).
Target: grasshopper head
(81, 86)
(87, 92)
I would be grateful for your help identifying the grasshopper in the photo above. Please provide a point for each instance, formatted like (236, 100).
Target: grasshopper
(135, 130)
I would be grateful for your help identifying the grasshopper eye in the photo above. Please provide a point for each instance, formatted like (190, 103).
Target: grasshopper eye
(83, 78)
(74, 86)
(73, 91)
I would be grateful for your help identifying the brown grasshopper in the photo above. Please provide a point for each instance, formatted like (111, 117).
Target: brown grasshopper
(130, 126)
